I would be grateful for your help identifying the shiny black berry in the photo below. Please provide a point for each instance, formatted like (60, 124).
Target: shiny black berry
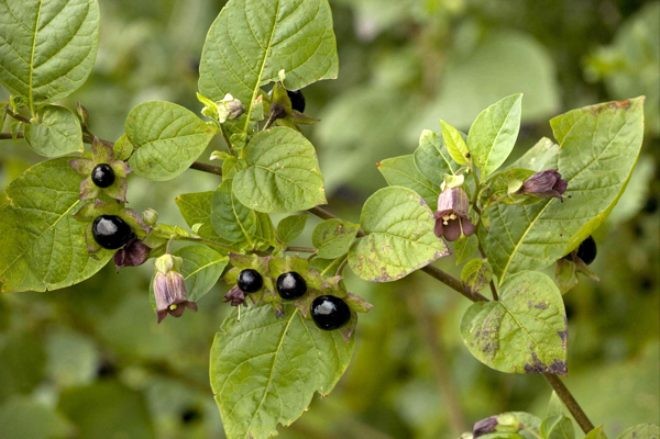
(291, 285)
(103, 175)
(250, 281)
(111, 232)
(297, 100)
(587, 250)
(330, 312)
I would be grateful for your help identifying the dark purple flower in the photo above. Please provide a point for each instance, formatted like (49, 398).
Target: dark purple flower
(484, 426)
(546, 183)
(170, 289)
(451, 220)
(235, 296)
(132, 254)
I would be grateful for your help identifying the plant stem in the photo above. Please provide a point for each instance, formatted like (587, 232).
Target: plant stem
(10, 136)
(204, 167)
(293, 248)
(569, 401)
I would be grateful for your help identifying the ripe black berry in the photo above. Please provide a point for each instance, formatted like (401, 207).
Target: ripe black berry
(297, 100)
(330, 312)
(250, 281)
(111, 232)
(587, 250)
(291, 285)
(103, 175)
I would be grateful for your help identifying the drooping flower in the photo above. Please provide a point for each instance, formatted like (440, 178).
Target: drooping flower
(170, 289)
(545, 184)
(451, 218)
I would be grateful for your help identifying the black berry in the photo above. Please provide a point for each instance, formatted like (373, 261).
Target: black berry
(103, 175)
(330, 312)
(297, 100)
(587, 250)
(250, 281)
(111, 232)
(291, 285)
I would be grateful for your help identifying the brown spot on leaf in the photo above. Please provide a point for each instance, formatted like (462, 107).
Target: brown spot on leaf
(557, 367)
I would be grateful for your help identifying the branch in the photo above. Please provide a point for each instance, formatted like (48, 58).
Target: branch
(569, 401)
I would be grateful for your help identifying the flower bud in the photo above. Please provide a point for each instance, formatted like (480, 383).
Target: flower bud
(545, 184)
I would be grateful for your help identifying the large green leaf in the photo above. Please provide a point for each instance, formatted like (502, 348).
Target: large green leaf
(493, 134)
(283, 173)
(265, 369)
(599, 146)
(201, 268)
(252, 40)
(333, 237)
(195, 208)
(167, 139)
(524, 331)
(42, 247)
(402, 171)
(54, 132)
(47, 48)
(230, 219)
(399, 236)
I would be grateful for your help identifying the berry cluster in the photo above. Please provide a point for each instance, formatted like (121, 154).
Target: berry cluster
(328, 312)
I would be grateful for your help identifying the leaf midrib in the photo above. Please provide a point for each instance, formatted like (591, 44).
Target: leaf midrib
(257, 83)
(33, 50)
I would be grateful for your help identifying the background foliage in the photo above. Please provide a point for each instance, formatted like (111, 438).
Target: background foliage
(90, 360)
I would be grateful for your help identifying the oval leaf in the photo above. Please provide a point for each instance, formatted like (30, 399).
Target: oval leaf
(402, 171)
(55, 132)
(195, 208)
(167, 138)
(201, 269)
(291, 227)
(399, 236)
(493, 134)
(243, 51)
(524, 331)
(599, 147)
(283, 173)
(265, 369)
(42, 247)
(230, 219)
(333, 237)
(47, 48)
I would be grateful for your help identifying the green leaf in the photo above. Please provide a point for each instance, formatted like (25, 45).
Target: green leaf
(283, 173)
(557, 427)
(432, 158)
(402, 171)
(265, 369)
(456, 146)
(641, 431)
(599, 147)
(493, 134)
(201, 269)
(291, 227)
(167, 139)
(524, 331)
(54, 132)
(42, 247)
(244, 51)
(399, 236)
(47, 48)
(476, 274)
(231, 219)
(196, 208)
(333, 237)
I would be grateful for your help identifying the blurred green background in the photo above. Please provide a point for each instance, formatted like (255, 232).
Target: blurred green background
(91, 362)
